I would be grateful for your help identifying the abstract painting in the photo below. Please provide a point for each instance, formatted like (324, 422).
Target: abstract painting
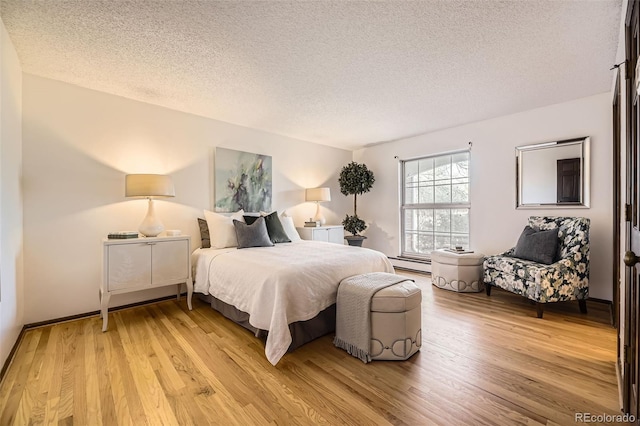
(242, 181)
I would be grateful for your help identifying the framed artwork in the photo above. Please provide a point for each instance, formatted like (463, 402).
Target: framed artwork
(243, 180)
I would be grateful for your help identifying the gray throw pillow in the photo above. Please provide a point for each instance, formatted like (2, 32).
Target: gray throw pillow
(537, 246)
(254, 235)
(275, 229)
(204, 233)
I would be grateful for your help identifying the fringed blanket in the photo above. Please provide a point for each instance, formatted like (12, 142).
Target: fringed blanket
(353, 311)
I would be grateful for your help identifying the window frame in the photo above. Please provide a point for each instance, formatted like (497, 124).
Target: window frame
(433, 206)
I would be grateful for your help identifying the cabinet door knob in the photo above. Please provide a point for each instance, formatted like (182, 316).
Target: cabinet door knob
(151, 244)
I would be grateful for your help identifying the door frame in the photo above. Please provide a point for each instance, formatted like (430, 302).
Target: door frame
(627, 357)
(617, 206)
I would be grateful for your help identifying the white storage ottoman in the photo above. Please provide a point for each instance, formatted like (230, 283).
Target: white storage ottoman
(460, 272)
(396, 322)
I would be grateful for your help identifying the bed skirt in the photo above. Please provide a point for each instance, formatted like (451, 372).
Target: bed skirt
(301, 332)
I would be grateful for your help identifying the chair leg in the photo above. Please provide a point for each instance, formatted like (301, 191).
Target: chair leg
(539, 309)
(583, 306)
(487, 288)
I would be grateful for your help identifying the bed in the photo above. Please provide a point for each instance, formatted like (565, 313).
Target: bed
(290, 287)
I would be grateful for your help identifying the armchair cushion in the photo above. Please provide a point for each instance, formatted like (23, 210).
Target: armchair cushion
(538, 246)
(535, 281)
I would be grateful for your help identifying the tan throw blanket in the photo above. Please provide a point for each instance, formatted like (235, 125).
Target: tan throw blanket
(353, 311)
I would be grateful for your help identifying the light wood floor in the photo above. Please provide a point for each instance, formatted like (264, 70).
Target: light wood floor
(483, 361)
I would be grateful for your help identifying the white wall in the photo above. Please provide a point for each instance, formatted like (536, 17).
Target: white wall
(495, 223)
(11, 282)
(78, 146)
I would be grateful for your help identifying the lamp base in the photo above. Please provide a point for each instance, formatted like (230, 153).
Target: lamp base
(151, 225)
(319, 216)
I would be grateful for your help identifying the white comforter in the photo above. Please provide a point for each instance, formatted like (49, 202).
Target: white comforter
(283, 284)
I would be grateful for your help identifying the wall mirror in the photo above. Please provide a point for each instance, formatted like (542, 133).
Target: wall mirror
(553, 174)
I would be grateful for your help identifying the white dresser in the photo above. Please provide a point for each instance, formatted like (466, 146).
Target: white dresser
(142, 263)
(330, 234)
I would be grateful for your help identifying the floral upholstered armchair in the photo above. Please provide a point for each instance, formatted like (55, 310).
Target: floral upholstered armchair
(567, 278)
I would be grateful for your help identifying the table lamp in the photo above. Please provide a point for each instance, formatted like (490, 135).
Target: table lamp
(318, 195)
(149, 186)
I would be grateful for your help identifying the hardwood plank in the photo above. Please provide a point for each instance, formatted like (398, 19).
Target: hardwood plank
(82, 388)
(128, 407)
(54, 388)
(6, 384)
(176, 374)
(107, 404)
(45, 376)
(91, 384)
(51, 411)
(163, 366)
(30, 391)
(15, 393)
(154, 402)
(66, 404)
(484, 360)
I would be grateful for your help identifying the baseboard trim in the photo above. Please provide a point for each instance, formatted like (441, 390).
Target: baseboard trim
(92, 313)
(415, 271)
(410, 259)
(33, 325)
(416, 265)
(594, 299)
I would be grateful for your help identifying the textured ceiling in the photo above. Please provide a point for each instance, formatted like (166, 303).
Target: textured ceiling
(340, 73)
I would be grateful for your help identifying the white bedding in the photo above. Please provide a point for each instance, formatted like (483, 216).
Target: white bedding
(283, 284)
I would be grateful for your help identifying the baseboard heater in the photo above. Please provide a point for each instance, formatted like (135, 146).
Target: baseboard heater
(411, 264)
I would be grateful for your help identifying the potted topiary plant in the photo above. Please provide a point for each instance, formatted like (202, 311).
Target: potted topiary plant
(355, 179)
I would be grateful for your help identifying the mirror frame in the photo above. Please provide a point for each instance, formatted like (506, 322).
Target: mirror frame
(585, 171)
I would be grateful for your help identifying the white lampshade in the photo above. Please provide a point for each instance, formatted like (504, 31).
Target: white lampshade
(318, 194)
(149, 186)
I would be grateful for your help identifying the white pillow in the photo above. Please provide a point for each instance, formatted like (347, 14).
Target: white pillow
(289, 228)
(221, 230)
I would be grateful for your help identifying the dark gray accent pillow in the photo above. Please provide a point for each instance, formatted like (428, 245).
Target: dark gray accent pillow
(537, 246)
(254, 235)
(276, 231)
(204, 233)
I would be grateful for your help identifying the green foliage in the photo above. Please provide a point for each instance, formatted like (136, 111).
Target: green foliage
(354, 224)
(355, 179)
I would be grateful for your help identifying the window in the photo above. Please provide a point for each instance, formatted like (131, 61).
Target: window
(435, 203)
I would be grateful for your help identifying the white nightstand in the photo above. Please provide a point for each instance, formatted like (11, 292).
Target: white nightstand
(330, 234)
(141, 263)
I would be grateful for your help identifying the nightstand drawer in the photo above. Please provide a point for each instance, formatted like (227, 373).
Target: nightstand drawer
(170, 262)
(329, 234)
(128, 266)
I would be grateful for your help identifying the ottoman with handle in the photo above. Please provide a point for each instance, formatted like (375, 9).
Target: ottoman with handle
(379, 317)
(460, 272)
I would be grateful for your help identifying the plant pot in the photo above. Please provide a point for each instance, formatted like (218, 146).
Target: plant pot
(355, 240)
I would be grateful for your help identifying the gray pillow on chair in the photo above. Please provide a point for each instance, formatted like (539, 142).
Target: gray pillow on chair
(254, 235)
(537, 246)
